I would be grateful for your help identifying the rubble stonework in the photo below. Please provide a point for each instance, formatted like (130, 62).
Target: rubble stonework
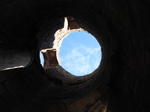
(119, 84)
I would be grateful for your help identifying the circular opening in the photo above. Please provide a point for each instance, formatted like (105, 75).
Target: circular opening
(80, 53)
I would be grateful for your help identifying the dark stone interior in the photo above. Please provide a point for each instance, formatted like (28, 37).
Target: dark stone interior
(120, 84)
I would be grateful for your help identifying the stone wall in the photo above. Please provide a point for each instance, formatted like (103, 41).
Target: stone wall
(121, 82)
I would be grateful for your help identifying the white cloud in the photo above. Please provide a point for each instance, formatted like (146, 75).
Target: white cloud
(81, 60)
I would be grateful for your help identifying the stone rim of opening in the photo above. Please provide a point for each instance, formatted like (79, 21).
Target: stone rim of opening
(70, 26)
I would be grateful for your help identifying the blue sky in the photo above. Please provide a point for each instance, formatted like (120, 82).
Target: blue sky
(80, 53)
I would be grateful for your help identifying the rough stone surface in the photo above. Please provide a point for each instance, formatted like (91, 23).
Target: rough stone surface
(120, 84)
(50, 58)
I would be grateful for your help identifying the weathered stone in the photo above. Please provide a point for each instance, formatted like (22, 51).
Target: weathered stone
(121, 82)
(50, 58)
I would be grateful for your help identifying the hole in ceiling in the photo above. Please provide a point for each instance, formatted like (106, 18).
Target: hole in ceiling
(73, 49)
(80, 53)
